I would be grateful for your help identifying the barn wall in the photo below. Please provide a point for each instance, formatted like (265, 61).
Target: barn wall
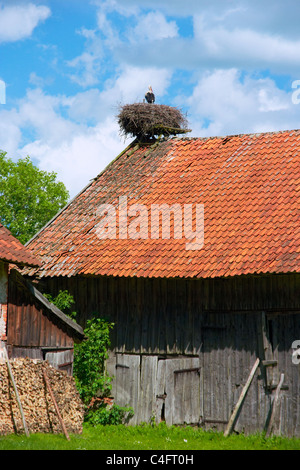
(203, 389)
(182, 350)
(165, 316)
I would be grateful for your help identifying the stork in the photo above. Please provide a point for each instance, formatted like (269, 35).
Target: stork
(150, 98)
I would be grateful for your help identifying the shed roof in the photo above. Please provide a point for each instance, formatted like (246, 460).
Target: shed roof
(12, 250)
(55, 314)
(249, 186)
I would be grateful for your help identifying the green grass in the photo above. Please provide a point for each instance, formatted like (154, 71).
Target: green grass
(146, 437)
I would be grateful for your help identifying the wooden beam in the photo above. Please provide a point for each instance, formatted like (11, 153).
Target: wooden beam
(275, 405)
(16, 392)
(241, 399)
(55, 404)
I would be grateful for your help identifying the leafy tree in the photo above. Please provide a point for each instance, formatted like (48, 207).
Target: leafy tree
(29, 197)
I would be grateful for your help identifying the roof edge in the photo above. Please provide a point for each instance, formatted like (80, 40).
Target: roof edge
(80, 192)
(75, 327)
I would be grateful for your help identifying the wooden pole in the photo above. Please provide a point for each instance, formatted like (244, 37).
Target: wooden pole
(240, 400)
(275, 405)
(16, 392)
(55, 404)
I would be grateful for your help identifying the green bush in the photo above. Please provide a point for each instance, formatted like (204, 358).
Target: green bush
(90, 376)
(89, 361)
(106, 415)
(64, 301)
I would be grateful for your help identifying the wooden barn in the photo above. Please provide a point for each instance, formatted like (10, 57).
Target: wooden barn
(191, 247)
(30, 326)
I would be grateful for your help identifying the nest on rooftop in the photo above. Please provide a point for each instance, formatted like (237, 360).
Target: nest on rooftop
(144, 120)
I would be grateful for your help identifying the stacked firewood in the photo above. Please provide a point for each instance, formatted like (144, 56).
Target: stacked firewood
(38, 408)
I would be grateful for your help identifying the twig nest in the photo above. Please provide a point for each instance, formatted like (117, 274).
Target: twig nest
(148, 120)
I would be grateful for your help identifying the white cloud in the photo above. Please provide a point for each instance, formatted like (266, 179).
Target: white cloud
(154, 26)
(10, 132)
(245, 46)
(87, 69)
(132, 83)
(222, 103)
(18, 21)
(76, 135)
(225, 34)
(88, 64)
(80, 157)
(63, 138)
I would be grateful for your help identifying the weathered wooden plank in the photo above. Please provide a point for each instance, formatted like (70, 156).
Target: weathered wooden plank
(160, 391)
(180, 403)
(275, 406)
(241, 399)
(61, 360)
(187, 392)
(147, 397)
(127, 386)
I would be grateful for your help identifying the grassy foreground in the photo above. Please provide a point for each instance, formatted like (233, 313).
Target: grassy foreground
(146, 437)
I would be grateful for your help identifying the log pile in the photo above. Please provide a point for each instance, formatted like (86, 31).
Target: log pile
(38, 408)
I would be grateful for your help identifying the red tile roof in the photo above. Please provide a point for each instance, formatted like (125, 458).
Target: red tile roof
(249, 186)
(12, 251)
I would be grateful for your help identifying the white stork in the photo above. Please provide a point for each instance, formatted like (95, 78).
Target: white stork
(150, 98)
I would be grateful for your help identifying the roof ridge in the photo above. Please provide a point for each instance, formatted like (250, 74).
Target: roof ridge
(246, 134)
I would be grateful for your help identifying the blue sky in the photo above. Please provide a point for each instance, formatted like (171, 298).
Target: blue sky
(68, 65)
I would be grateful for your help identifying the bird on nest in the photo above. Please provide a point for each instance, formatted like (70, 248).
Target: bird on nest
(150, 97)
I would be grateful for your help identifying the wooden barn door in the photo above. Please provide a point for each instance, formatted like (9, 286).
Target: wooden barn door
(182, 390)
(157, 389)
(126, 385)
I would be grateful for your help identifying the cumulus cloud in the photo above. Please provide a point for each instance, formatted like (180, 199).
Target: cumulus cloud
(140, 43)
(18, 21)
(223, 102)
(77, 135)
(74, 150)
(80, 156)
(154, 26)
(225, 34)
(87, 65)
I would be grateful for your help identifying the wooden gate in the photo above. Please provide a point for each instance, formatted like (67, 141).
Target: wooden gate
(159, 389)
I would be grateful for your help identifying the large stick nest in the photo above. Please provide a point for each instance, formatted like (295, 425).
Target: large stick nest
(144, 120)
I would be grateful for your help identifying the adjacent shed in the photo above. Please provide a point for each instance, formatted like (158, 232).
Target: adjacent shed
(30, 325)
(191, 321)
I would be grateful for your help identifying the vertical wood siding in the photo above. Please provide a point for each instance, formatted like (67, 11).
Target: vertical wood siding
(211, 331)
